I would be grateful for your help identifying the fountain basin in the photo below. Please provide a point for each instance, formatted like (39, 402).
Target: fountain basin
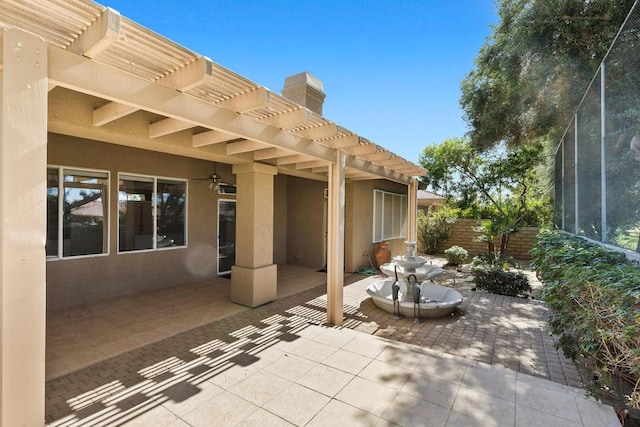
(436, 300)
(409, 262)
(422, 272)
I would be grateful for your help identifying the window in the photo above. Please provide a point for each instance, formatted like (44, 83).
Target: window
(151, 213)
(226, 189)
(77, 222)
(389, 216)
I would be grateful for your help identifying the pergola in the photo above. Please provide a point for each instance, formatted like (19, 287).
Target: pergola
(76, 54)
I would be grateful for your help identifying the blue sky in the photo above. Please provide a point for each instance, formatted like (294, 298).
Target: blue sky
(391, 69)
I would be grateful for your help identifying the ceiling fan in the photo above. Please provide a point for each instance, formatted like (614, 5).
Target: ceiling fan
(213, 178)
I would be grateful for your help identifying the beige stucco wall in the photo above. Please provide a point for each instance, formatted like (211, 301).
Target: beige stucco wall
(359, 222)
(306, 216)
(305, 222)
(72, 282)
(298, 234)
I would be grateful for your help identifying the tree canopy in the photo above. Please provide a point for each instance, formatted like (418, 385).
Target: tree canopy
(534, 68)
(498, 186)
(493, 184)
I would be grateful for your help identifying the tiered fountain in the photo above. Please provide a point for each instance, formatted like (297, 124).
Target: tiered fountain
(410, 290)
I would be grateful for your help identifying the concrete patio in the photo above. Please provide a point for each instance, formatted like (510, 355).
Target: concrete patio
(187, 357)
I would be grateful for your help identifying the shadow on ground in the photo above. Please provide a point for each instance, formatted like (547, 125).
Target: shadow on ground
(488, 328)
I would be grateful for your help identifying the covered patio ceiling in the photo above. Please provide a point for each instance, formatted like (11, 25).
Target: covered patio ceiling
(137, 88)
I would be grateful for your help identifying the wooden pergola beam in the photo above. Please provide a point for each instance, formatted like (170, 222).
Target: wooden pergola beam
(248, 101)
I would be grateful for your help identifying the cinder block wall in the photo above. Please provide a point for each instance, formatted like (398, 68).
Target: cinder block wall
(463, 234)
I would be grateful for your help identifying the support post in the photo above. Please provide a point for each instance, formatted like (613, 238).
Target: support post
(412, 210)
(23, 189)
(576, 194)
(603, 153)
(335, 250)
(254, 278)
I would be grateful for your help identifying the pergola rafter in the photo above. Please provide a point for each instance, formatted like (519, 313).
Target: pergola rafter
(270, 120)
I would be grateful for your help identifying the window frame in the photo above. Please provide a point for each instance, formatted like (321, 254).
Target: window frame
(154, 213)
(60, 212)
(385, 224)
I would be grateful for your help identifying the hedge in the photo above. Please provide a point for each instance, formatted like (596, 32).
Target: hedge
(594, 294)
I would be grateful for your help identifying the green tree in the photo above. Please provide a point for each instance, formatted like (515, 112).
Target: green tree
(534, 68)
(496, 185)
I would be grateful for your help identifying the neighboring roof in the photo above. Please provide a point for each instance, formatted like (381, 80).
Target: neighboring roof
(126, 68)
(95, 208)
(428, 195)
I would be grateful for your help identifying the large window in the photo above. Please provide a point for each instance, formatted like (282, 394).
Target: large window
(151, 213)
(389, 216)
(77, 212)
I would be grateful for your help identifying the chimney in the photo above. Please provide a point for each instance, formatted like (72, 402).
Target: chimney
(306, 90)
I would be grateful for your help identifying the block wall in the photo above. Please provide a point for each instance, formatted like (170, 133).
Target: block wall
(463, 235)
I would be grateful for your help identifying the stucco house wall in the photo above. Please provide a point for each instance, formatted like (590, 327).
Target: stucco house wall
(299, 215)
(307, 209)
(307, 215)
(299, 225)
(359, 222)
(76, 281)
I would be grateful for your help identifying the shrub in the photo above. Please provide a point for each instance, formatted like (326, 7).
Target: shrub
(456, 255)
(594, 293)
(434, 227)
(504, 261)
(500, 281)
